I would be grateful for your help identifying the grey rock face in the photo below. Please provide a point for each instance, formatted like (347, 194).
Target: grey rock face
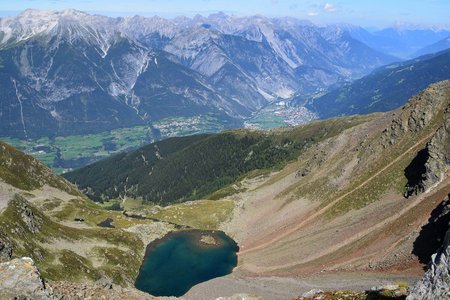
(435, 284)
(439, 155)
(435, 160)
(5, 250)
(20, 279)
(418, 112)
(32, 222)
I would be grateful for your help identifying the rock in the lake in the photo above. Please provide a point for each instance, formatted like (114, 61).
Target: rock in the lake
(20, 279)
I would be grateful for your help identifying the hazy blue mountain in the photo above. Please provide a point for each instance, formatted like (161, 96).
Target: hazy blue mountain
(436, 47)
(400, 42)
(384, 89)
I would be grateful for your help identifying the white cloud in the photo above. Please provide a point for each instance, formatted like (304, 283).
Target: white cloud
(312, 14)
(329, 7)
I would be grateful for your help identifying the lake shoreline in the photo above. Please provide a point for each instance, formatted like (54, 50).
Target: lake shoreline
(204, 254)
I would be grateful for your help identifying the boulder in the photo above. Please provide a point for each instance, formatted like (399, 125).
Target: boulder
(20, 279)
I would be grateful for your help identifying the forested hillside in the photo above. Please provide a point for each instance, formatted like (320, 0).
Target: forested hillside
(189, 168)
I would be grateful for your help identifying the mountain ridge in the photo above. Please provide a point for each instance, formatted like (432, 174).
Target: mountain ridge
(72, 67)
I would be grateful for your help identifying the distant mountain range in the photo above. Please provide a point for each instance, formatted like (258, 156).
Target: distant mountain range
(400, 42)
(436, 47)
(69, 72)
(384, 89)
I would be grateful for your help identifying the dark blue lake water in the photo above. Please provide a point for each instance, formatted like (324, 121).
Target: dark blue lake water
(182, 259)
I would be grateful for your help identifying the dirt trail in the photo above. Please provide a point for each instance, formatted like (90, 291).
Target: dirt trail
(288, 231)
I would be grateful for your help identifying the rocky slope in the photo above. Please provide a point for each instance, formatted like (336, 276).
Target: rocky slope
(340, 210)
(82, 73)
(437, 156)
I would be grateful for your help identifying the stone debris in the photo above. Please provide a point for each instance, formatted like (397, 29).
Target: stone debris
(103, 289)
(241, 297)
(392, 291)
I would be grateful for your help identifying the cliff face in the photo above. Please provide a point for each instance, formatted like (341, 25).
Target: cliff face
(439, 155)
(433, 162)
(435, 284)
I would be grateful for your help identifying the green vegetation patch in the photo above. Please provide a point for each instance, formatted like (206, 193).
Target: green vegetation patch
(203, 214)
(24, 172)
(40, 241)
(93, 214)
(63, 153)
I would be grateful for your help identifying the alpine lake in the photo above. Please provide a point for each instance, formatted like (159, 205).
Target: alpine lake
(182, 259)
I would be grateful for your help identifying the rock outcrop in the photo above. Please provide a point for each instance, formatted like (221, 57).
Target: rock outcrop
(435, 284)
(5, 250)
(20, 279)
(418, 112)
(435, 162)
(438, 163)
(32, 222)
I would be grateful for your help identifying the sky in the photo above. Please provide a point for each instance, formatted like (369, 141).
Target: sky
(368, 13)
